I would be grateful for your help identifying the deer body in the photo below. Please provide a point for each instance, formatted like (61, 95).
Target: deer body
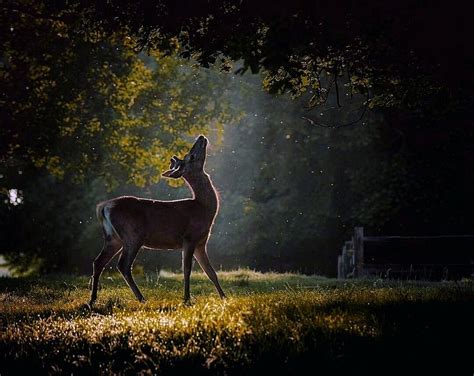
(160, 224)
(130, 223)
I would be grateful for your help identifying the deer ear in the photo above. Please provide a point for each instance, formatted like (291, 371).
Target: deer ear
(167, 174)
(174, 173)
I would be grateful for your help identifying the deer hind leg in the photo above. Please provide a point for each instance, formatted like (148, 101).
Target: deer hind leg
(124, 265)
(112, 246)
(201, 256)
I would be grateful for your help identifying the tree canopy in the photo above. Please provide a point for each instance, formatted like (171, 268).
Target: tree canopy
(83, 113)
(123, 114)
(404, 55)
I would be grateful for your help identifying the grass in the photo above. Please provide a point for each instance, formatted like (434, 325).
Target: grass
(278, 323)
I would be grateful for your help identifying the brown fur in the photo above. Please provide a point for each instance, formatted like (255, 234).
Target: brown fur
(131, 222)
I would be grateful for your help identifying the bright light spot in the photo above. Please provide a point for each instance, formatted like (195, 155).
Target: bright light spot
(15, 197)
(13, 194)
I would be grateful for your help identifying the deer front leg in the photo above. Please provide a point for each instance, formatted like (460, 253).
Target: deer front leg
(124, 265)
(201, 256)
(188, 251)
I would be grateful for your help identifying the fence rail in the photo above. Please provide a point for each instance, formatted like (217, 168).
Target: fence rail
(407, 257)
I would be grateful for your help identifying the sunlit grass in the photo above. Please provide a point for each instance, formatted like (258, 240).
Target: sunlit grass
(271, 320)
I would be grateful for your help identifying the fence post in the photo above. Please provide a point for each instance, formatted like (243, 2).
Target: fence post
(349, 259)
(340, 268)
(358, 251)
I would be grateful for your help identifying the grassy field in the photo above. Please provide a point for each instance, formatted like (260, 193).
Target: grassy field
(278, 323)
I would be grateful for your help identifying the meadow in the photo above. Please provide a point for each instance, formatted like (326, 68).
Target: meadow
(270, 323)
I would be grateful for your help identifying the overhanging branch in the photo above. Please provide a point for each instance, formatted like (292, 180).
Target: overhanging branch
(322, 125)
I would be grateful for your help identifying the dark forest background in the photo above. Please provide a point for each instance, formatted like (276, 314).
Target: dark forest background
(347, 124)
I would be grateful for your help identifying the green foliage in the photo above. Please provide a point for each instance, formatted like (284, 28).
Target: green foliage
(83, 115)
(314, 46)
(78, 107)
(281, 323)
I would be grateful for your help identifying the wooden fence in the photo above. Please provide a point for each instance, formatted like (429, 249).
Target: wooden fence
(407, 257)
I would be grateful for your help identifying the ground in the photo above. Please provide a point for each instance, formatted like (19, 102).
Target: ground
(270, 323)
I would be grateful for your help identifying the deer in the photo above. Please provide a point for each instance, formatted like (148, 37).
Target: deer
(130, 223)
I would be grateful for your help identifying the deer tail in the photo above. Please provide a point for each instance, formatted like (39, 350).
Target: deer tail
(99, 211)
(103, 215)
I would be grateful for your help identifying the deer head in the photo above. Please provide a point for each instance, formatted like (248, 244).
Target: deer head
(193, 162)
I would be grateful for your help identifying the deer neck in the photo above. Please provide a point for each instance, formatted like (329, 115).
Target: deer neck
(203, 190)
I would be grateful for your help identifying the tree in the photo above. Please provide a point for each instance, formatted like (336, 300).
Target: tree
(82, 111)
(116, 110)
(400, 55)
